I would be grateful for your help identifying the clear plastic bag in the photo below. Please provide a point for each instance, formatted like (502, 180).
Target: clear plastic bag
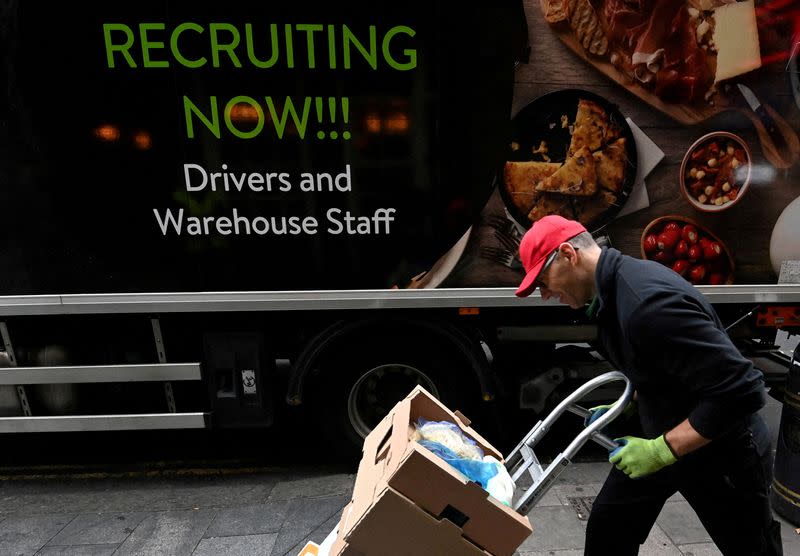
(449, 435)
(446, 440)
(474, 469)
(501, 486)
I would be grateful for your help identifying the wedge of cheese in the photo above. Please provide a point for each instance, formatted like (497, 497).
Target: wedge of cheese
(736, 40)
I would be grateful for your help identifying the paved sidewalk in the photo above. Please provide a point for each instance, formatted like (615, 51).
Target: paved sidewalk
(269, 514)
(558, 531)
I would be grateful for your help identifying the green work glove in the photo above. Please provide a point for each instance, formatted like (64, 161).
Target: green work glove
(599, 410)
(637, 457)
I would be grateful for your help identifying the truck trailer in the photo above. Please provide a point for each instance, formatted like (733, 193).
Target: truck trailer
(214, 209)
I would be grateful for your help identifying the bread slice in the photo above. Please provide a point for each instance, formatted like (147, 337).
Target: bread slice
(589, 209)
(592, 127)
(577, 177)
(551, 204)
(520, 179)
(586, 25)
(610, 164)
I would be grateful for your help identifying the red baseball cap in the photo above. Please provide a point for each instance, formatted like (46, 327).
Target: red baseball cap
(543, 238)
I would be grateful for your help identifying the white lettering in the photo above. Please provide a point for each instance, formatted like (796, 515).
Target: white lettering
(236, 224)
(193, 226)
(346, 177)
(260, 225)
(238, 184)
(224, 225)
(378, 223)
(169, 220)
(384, 216)
(214, 176)
(332, 219)
(240, 219)
(285, 183)
(255, 181)
(323, 178)
(310, 225)
(189, 186)
(306, 182)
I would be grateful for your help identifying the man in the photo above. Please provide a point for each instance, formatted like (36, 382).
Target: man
(697, 396)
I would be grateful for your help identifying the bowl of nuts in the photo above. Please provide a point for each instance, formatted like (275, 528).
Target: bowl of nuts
(715, 173)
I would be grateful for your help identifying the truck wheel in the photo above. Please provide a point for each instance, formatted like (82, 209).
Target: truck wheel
(358, 391)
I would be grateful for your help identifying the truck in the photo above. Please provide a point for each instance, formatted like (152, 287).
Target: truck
(214, 210)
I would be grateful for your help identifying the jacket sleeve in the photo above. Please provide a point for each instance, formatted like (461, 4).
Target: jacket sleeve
(678, 337)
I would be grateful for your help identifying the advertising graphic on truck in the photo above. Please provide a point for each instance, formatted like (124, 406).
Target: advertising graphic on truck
(212, 211)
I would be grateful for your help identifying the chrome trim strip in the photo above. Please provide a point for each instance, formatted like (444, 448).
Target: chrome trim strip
(186, 302)
(76, 423)
(152, 372)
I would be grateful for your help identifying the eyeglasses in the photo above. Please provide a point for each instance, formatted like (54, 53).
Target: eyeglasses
(550, 258)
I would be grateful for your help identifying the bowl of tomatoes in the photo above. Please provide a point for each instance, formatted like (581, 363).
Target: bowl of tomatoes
(716, 171)
(689, 249)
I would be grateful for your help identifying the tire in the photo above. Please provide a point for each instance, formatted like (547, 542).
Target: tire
(360, 384)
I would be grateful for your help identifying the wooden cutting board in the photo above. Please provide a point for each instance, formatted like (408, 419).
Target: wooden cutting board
(689, 114)
(685, 114)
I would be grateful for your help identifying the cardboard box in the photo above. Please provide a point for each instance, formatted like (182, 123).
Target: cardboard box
(407, 500)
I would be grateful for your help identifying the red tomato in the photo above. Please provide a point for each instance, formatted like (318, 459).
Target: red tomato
(712, 250)
(681, 266)
(689, 234)
(695, 253)
(682, 249)
(697, 273)
(664, 257)
(672, 226)
(650, 243)
(668, 240)
(703, 241)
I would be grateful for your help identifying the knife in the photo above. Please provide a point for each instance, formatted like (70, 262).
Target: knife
(760, 111)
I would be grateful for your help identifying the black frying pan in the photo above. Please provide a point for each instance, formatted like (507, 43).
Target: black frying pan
(541, 120)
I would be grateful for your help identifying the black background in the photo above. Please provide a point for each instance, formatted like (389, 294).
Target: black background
(78, 212)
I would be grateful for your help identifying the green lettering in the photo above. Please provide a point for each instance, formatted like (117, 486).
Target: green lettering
(332, 46)
(147, 45)
(289, 47)
(289, 110)
(217, 47)
(229, 122)
(310, 30)
(410, 53)
(248, 38)
(189, 107)
(371, 55)
(173, 44)
(123, 48)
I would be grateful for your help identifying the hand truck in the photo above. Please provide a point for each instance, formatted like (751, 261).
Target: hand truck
(522, 463)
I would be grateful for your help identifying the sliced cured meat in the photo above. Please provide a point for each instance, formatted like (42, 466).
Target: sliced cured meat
(659, 47)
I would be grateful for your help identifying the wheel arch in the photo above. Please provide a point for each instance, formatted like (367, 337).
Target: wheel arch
(340, 333)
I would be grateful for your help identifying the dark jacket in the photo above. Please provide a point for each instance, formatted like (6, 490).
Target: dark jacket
(668, 340)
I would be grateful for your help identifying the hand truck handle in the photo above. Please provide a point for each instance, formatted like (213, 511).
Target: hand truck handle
(593, 430)
(604, 440)
(568, 404)
(523, 460)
